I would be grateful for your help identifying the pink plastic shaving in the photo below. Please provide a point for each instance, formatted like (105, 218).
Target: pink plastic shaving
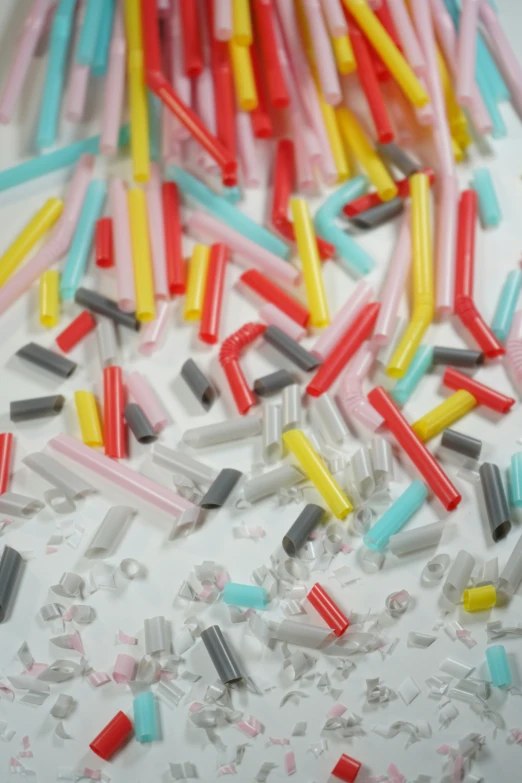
(36, 669)
(67, 615)
(98, 678)
(76, 643)
(394, 775)
(14, 762)
(222, 579)
(165, 674)
(465, 636)
(336, 711)
(124, 638)
(290, 762)
(458, 769)
(443, 750)
(227, 769)
(346, 549)
(516, 736)
(251, 727)
(207, 590)
(196, 706)
(50, 550)
(8, 692)
(26, 754)
(92, 774)
(26, 742)
(278, 741)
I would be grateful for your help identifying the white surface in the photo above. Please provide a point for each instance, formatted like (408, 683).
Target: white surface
(168, 563)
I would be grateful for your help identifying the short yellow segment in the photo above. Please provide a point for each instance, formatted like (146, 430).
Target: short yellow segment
(197, 283)
(49, 298)
(89, 418)
(444, 415)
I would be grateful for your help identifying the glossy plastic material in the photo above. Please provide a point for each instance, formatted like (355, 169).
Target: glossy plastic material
(198, 384)
(362, 472)
(107, 341)
(145, 717)
(444, 415)
(453, 379)
(89, 418)
(196, 283)
(511, 574)
(266, 484)
(10, 566)
(363, 150)
(223, 432)
(346, 316)
(112, 737)
(458, 576)
(218, 493)
(457, 357)
(178, 462)
(49, 298)
(224, 660)
(6, 449)
(231, 349)
(419, 366)
(137, 93)
(273, 383)
(72, 485)
(110, 532)
(113, 406)
(417, 539)
(479, 599)
(507, 304)
(265, 288)
(396, 516)
(498, 664)
(328, 609)
(173, 247)
(148, 400)
(382, 462)
(47, 360)
(347, 769)
(81, 244)
(141, 255)
(516, 480)
(298, 534)
(377, 216)
(37, 408)
(154, 334)
(462, 444)
(399, 158)
(272, 432)
(103, 306)
(495, 499)
(489, 208)
(139, 424)
(122, 246)
(331, 423)
(310, 262)
(76, 331)
(213, 298)
(289, 348)
(21, 506)
(245, 595)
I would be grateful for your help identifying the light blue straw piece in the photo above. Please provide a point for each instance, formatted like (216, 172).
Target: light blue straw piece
(499, 126)
(101, 53)
(227, 213)
(55, 74)
(507, 304)
(232, 195)
(353, 258)
(489, 207)
(145, 717)
(90, 31)
(82, 241)
(53, 161)
(419, 366)
(245, 595)
(154, 107)
(498, 666)
(396, 516)
(515, 480)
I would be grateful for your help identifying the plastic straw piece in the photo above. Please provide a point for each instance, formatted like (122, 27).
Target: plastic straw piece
(245, 595)
(498, 665)
(218, 493)
(347, 316)
(10, 566)
(347, 768)
(89, 418)
(76, 331)
(141, 255)
(112, 737)
(421, 363)
(37, 408)
(377, 216)
(399, 158)
(68, 482)
(272, 431)
(382, 462)
(114, 87)
(335, 19)
(212, 303)
(231, 349)
(311, 264)
(396, 516)
(107, 341)
(179, 462)
(351, 399)
(265, 288)
(21, 506)
(371, 200)
(242, 32)
(156, 232)
(259, 487)
(515, 480)
(221, 655)
(444, 415)
(504, 56)
(110, 532)
(454, 379)
(457, 357)
(489, 208)
(47, 360)
(113, 406)
(362, 471)
(479, 599)
(192, 49)
(198, 384)
(244, 81)
(273, 316)
(83, 238)
(146, 726)
(172, 226)
(122, 246)
(507, 304)
(101, 52)
(148, 400)
(89, 32)
(291, 411)
(467, 51)
(358, 142)
(103, 306)
(273, 383)
(139, 424)
(223, 432)
(6, 449)
(196, 283)
(458, 576)
(289, 348)
(103, 243)
(323, 55)
(495, 500)
(332, 424)
(462, 444)
(414, 540)
(223, 26)
(49, 298)
(328, 610)
(298, 534)
(278, 89)
(511, 574)
(139, 118)
(317, 472)
(408, 37)
(343, 53)
(425, 463)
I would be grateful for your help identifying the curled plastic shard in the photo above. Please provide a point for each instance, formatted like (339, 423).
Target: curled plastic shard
(69, 586)
(435, 569)
(397, 603)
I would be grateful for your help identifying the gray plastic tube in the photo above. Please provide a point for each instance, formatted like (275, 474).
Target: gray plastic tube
(141, 427)
(179, 462)
(273, 383)
(462, 444)
(104, 306)
(198, 384)
(398, 158)
(36, 408)
(107, 341)
(221, 655)
(457, 357)
(223, 432)
(496, 501)
(272, 433)
(269, 483)
(10, 566)
(217, 494)
(511, 575)
(58, 475)
(298, 534)
(47, 360)
(377, 216)
(302, 358)
(382, 461)
(291, 413)
(458, 576)
(413, 540)
(110, 532)
(331, 423)
(19, 505)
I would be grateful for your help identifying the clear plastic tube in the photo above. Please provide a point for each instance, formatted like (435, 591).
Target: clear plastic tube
(259, 487)
(153, 336)
(148, 400)
(414, 540)
(272, 433)
(362, 470)
(332, 424)
(19, 505)
(58, 475)
(304, 634)
(223, 432)
(179, 462)
(156, 635)
(110, 532)
(511, 574)
(458, 576)
(395, 281)
(382, 461)
(107, 341)
(291, 413)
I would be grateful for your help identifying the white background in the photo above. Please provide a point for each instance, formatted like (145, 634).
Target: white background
(168, 563)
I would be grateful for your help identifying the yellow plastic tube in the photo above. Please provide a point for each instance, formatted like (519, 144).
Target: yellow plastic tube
(89, 418)
(357, 141)
(29, 236)
(141, 255)
(316, 470)
(444, 415)
(390, 55)
(242, 22)
(49, 298)
(458, 152)
(422, 270)
(139, 116)
(197, 283)
(340, 157)
(244, 82)
(310, 262)
(343, 53)
(456, 118)
(479, 599)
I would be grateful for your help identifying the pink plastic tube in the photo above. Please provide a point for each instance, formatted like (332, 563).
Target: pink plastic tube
(273, 316)
(335, 18)
(126, 479)
(122, 246)
(124, 669)
(157, 232)
(147, 399)
(223, 20)
(395, 284)
(408, 37)
(180, 81)
(153, 336)
(59, 242)
(246, 147)
(326, 343)
(324, 58)
(114, 88)
(514, 348)
(77, 92)
(504, 55)
(467, 52)
(350, 397)
(245, 252)
(32, 30)
(446, 244)
(205, 99)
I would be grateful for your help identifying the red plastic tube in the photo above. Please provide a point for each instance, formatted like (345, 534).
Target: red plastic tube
(423, 460)
(484, 395)
(264, 18)
(465, 307)
(103, 245)
(6, 452)
(346, 769)
(229, 354)
(160, 86)
(370, 85)
(371, 200)
(328, 610)
(211, 315)
(347, 346)
(173, 248)
(272, 293)
(113, 407)
(192, 51)
(112, 737)
(260, 116)
(223, 86)
(76, 331)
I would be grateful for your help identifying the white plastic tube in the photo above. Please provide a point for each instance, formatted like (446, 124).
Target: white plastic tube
(511, 575)
(110, 532)
(458, 576)
(223, 432)
(291, 413)
(419, 538)
(179, 462)
(269, 483)
(382, 461)
(304, 634)
(362, 470)
(155, 635)
(331, 423)
(19, 505)
(107, 341)
(272, 433)
(59, 476)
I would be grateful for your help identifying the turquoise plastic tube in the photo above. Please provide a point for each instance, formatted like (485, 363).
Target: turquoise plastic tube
(145, 717)
(420, 365)
(55, 74)
(101, 53)
(226, 212)
(82, 240)
(245, 595)
(232, 195)
(498, 666)
(499, 126)
(154, 107)
(396, 517)
(515, 480)
(89, 32)
(488, 202)
(506, 305)
(351, 255)
(53, 161)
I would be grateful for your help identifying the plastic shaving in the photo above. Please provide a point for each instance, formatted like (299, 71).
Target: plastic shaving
(299, 729)
(376, 693)
(447, 714)
(397, 603)
(62, 706)
(184, 771)
(415, 731)
(418, 639)
(264, 771)
(290, 765)
(496, 630)
(253, 532)
(408, 690)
